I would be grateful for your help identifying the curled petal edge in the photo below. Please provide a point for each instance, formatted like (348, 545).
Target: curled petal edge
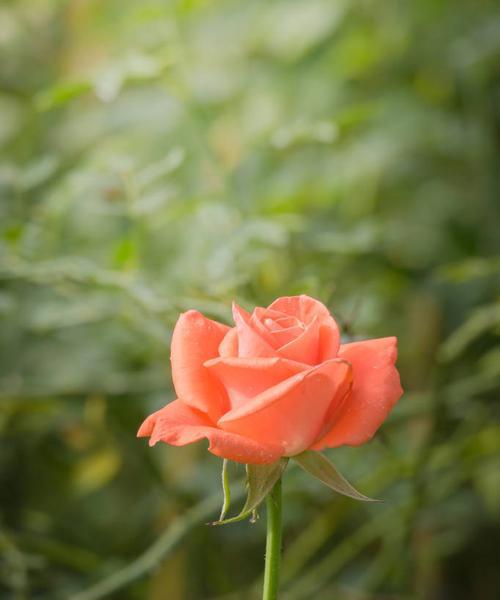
(178, 424)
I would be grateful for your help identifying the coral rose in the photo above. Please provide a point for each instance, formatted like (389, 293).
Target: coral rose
(278, 383)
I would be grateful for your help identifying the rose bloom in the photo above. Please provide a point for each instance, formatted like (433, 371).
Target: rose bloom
(277, 383)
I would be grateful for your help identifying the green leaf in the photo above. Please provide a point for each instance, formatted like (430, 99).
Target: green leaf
(260, 481)
(320, 467)
(61, 94)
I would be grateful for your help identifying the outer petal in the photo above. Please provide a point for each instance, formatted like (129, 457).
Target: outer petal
(376, 388)
(250, 342)
(291, 413)
(342, 395)
(195, 340)
(245, 378)
(178, 424)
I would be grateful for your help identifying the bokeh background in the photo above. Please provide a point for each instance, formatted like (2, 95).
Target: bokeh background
(162, 155)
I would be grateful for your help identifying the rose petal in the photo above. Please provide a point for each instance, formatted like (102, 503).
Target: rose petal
(292, 412)
(376, 388)
(274, 319)
(303, 348)
(260, 328)
(178, 424)
(282, 337)
(341, 397)
(285, 322)
(276, 328)
(329, 339)
(308, 309)
(264, 313)
(281, 323)
(245, 378)
(303, 307)
(195, 340)
(250, 342)
(229, 345)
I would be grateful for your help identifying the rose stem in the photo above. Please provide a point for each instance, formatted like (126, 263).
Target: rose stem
(273, 543)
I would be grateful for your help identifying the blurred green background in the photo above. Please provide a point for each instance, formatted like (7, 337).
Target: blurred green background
(157, 156)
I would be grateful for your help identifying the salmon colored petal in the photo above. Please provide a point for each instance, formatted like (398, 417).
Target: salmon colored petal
(262, 313)
(303, 307)
(178, 424)
(334, 411)
(229, 345)
(282, 337)
(376, 388)
(245, 378)
(260, 328)
(286, 321)
(303, 348)
(292, 412)
(329, 339)
(195, 340)
(277, 328)
(250, 342)
(272, 319)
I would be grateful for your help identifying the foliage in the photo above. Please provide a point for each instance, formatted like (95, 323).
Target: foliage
(158, 156)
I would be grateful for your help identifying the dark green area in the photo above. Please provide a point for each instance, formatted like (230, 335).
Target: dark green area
(157, 156)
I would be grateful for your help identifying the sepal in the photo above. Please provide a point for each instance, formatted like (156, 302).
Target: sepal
(260, 481)
(226, 490)
(317, 465)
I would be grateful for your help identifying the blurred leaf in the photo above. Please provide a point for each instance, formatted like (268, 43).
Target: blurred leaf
(470, 269)
(61, 94)
(481, 320)
(96, 470)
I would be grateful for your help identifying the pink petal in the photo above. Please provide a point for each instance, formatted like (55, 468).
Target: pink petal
(229, 345)
(307, 310)
(245, 378)
(303, 307)
(250, 342)
(260, 328)
(329, 339)
(288, 322)
(178, 424)
(376, 388)
(195, 340)
(273, 319)
(303, 348)
(342, 394)
(292, 412)
(282, 337)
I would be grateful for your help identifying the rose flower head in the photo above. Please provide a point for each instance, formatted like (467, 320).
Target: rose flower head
(276, 384)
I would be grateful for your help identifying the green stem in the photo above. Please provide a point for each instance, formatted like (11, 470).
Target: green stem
(273, 543)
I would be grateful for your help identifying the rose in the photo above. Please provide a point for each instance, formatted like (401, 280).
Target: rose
(276, 384)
